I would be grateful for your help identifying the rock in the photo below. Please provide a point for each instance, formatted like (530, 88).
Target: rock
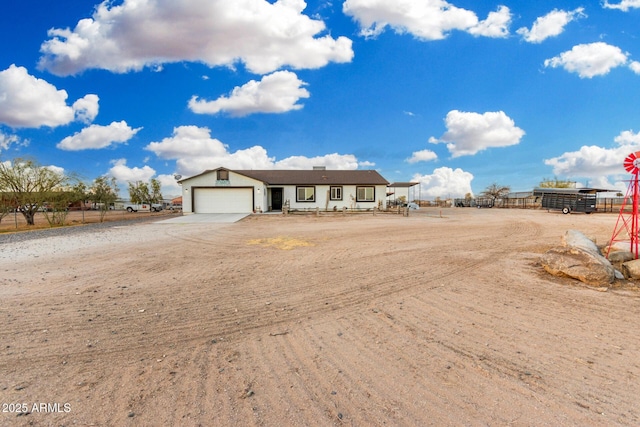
(587, 266)
(620, 256)
(631, 269)
(576, 239)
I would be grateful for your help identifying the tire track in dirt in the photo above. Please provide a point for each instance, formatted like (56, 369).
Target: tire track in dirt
(314, 300)
(334, 330)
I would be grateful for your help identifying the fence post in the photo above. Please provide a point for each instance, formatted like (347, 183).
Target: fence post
(344, 210)
(317, 211)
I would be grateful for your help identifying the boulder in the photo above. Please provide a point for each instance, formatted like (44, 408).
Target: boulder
(620, 257)
(585, 265)
(631, 269)
(576, 239)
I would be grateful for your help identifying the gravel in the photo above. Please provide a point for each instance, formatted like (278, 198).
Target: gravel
(60, 240)
(43, 233)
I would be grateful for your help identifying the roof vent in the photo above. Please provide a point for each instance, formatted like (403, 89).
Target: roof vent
(319, 168)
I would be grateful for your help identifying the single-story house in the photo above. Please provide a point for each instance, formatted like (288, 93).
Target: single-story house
(224, 190)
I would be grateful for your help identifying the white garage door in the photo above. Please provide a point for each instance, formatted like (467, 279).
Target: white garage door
(223, 200)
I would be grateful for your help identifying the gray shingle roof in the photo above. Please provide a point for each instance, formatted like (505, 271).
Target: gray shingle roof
(316, 177)
(311, 177)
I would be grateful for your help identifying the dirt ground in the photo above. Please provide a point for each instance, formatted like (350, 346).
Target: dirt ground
(442, 318)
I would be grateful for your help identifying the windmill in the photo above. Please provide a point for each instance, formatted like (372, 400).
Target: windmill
(628, 221)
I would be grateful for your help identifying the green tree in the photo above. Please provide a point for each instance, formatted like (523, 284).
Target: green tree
(142, 192)
(495, 191)
(104, 192)
(29, 185)
(557, 183)
(56, 206)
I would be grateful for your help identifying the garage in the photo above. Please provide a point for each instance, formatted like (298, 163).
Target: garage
(223, 200)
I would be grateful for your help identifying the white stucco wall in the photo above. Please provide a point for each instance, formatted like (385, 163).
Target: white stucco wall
(348, 198)
(209, 180)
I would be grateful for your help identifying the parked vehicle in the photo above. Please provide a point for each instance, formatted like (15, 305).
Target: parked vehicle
(151, 207)
(567, 200)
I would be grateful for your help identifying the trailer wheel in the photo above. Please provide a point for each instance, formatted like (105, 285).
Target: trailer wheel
(566, 210)
(129, 209)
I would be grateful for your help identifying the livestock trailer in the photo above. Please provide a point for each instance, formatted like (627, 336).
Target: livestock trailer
(568, 199)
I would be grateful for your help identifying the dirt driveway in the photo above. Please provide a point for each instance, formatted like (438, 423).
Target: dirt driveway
(442, 318)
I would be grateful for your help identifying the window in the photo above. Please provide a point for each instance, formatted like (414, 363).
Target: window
(335, 193)
(365, 194)
(306, 194)
(223, 175)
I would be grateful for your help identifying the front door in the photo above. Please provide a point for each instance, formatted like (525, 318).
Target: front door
(276, 199)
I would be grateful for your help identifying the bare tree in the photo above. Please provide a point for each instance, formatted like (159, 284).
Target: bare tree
(495, 191)
(28, 185)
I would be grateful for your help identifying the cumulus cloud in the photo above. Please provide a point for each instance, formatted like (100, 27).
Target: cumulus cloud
(589, 60)
(169, 185)
(424, 19)
(550, 25)
(624, 5)
(422, 156)
(29, 102)
(123, 173)
(445, 182)
(635, 66)
(95, 137)
(276, 93)
(469, 133)
(86, 109)
(599, 164)
(495, 26)
(195, 150)
(263, 35)
(7, 141)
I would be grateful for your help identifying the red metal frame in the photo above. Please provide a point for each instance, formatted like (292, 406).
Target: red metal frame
(628, 221)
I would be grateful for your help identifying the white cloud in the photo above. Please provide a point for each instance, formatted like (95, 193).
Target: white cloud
(589, 60)
(169, 186)
(29, 102)
(422, 156)
(624, 5)
(424, 19)
(444, 183)
(635, 66)
(595, 162)
(195, 150)
(7, 141)
(496, 25)
(86, 109)
(95, 137)
(276, 93)
(331, 161)
(123, 173)
(469, 133)
(550, 25)
(263, 35)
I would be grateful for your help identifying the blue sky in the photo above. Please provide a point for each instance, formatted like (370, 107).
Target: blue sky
(455, 95)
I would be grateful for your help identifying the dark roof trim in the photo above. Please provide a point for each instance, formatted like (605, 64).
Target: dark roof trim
(403, 184)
